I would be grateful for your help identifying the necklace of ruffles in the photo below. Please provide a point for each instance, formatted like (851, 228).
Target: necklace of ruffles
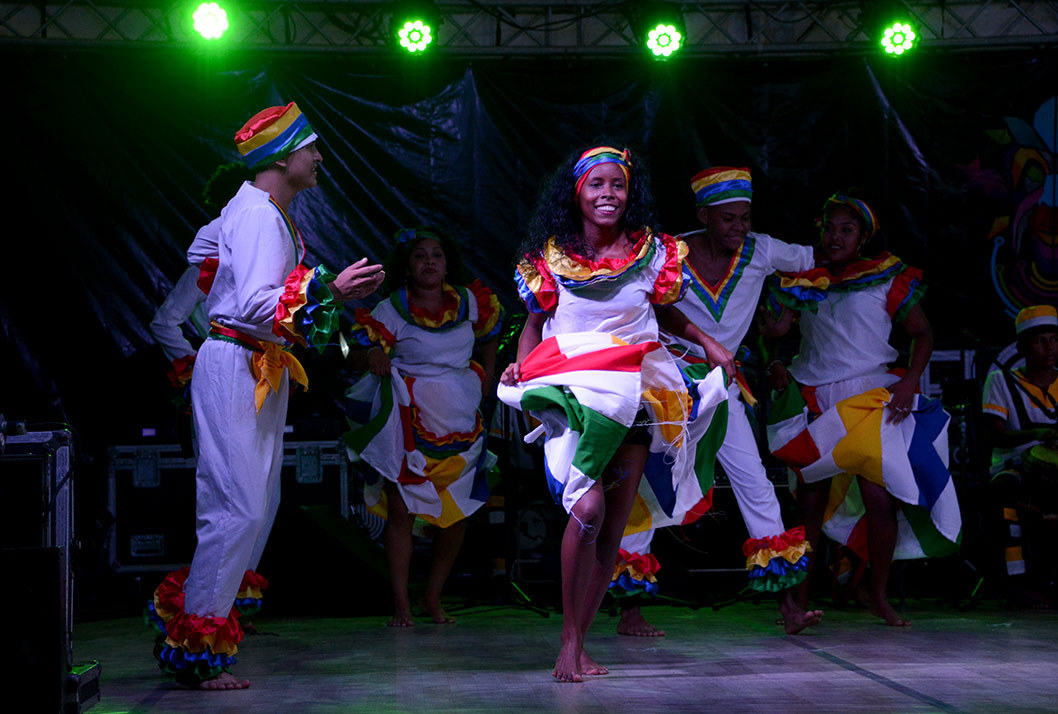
(805, 290)
(453, 311)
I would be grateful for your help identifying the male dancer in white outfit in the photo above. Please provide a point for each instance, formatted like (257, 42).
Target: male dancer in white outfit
(262, 298)
(725, 270)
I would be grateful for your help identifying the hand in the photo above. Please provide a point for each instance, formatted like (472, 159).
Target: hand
(778, 376)
(719, 356)
(378, 362)
(772, 327)
(903, 396)
(358, 280)
(1048, 436)
(511, 375)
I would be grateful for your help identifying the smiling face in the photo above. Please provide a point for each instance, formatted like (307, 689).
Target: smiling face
(727, 223)
(842, 236)
(301, 166)
(603, 198)
(426, 264)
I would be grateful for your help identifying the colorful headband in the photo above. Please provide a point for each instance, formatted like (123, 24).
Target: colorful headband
(271, 134)
(861, 209)
(600, 155)
(404, 235)
(1036, 316)
(722, 184)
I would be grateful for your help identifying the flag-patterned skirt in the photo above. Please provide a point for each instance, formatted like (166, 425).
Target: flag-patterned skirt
(587, 388)
(841, 430)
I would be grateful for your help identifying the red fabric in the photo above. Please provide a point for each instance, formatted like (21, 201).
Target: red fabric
(362, 316)
(483, 297)
(449, 303)
(799, 451)
(207, 273)
(259, 121)
(644, 563)
(671, 273)
(547, 359)
(180, 374)
(613, 263)
(699, 509)
(188, 629)
(251, 579)
(291, 299)
(778, 543)
(901, 288)
(547, 294)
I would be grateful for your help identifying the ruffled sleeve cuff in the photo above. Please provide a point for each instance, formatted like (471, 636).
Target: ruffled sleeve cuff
(536, 285)
(207, 273)
(307, 312)
(777, 562)
(490, 312)
(180, 375)
(634, 574)
(670, 286)
(798, 291)
(196, 647)
(905, 292)
(250, 597)
(370, 332)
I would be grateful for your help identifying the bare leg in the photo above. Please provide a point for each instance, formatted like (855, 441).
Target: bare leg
(633, 624)
(812, 498)
(445, 549)
(881, 542)
(620, 482)
(397, 540)
(578, 560)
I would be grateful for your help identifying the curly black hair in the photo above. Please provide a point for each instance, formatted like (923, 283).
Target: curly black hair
(556, 213)
(223, 184)
(397, 263)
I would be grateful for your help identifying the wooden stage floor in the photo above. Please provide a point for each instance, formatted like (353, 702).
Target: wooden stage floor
(734, 660)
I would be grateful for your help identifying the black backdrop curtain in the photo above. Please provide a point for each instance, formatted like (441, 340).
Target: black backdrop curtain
(107, 154)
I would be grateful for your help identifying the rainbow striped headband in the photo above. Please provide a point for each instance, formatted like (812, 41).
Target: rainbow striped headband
(860, 207)
(722, 184)
(271, 134)
(1036, 316)
(600, 155)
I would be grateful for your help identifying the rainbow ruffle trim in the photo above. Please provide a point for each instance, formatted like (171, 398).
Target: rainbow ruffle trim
(777, 562)
(490, 312)
(369, 332)
(249, 599)
(805, 290)
(634, 574)
(195, 647)
(307, 313)
(669, 286)
(180, 375)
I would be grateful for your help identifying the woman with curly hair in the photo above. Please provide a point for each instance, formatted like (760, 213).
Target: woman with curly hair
(417, 408)
(598, 281)
(869, 453)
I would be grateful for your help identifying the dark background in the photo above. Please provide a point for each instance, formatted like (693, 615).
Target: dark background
(106, 154)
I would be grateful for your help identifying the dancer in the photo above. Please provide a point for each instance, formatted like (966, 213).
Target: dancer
(423, 384)
(725, 270)
(1021, 415)
(598, 282)
(853, 431)
(262, 297)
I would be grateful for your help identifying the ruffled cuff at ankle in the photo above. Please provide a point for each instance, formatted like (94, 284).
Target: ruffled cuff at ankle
(777, 562)
(250, 597)
(634, 574)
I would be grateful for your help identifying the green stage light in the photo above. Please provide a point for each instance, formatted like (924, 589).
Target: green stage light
(664, 40)
(898, 39)
(211, 20)
(415, 36)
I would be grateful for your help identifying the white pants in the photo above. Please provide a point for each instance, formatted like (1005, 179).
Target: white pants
(240, 454)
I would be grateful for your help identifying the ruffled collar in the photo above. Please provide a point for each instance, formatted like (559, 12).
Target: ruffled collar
(453, 310)
(854, 276)
(576, 270)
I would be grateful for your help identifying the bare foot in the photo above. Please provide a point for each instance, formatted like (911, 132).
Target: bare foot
(567, 666)
(223, 681)
(402, 618)
(885, 611)
(437, 614)
(633, 624)
(248, 628)
(794, 618)
(591, 667)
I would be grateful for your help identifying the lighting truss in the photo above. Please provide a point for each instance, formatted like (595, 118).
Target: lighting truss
(473, 28)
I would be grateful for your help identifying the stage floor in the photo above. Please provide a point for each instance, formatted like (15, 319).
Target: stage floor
(734, 660)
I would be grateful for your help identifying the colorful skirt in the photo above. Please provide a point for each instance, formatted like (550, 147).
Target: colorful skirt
(841, 430)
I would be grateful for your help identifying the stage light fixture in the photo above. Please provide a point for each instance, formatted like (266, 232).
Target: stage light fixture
(211, 20)
(664, 40)
(415, 35)
(898, 39)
